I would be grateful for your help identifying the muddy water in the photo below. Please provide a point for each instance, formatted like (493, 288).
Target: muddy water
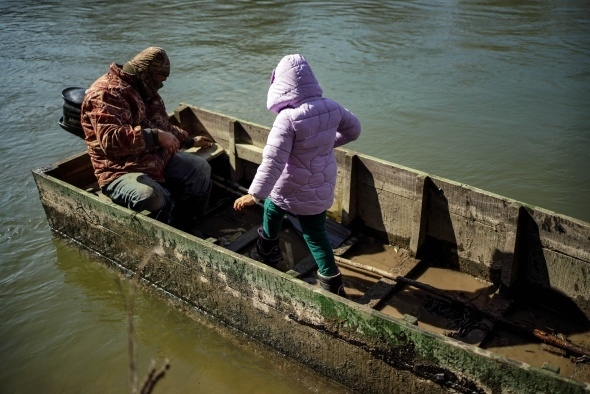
(439, 315)
(510, 343)
(556, 318)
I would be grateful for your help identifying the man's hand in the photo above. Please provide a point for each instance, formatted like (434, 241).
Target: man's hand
(202, 141)
(243, 202)
(168, 141)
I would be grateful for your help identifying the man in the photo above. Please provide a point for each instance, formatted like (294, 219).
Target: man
(135, 149)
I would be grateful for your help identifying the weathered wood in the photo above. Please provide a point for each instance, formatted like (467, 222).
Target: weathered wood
(303, 267)
(236, 167)
(385, 285)
(553, 251)
(347, 244)
(75, 169)
(244, 240)
(249, 153)
(207, 153)
(364, 267)
(252, 134)
(387, 177)
(476, 223)
(344, 207)
(386, 197)
(377, 293)
(197, 122)
(419, 219)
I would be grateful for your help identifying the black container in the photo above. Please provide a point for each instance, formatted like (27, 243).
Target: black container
(70, 121)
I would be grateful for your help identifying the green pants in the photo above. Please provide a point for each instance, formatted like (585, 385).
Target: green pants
(314, 234)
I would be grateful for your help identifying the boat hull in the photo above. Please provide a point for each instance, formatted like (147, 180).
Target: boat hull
(364, 349)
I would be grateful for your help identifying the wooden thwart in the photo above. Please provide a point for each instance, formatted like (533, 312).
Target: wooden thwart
(207, 153)
(303, 267)
(364, 267)
(385, 286)
(377, 293)
(244, 240)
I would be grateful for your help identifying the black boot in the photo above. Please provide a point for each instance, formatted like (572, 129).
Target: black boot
(188, 213)
(163, 215)
(188, 224)
(333, 284)
(267, 250)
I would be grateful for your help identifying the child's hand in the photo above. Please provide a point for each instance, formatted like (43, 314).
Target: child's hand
(244, 201)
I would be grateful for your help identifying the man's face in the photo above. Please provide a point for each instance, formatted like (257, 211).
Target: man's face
(159, 78)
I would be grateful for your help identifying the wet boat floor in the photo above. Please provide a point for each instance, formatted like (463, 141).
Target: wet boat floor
(370, 267)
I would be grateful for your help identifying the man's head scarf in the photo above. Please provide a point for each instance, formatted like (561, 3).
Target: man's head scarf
(146, 65)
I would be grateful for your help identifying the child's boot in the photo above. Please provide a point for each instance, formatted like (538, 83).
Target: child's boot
(267, 250)
(333, 284)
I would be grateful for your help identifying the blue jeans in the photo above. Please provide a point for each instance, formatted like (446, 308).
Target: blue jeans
(188, 178)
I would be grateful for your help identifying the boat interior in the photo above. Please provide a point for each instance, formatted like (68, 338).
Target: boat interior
(428, 292)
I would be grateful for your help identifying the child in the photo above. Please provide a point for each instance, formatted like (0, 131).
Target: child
(298, 169)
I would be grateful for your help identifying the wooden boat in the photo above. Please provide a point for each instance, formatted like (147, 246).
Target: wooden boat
(447, 283)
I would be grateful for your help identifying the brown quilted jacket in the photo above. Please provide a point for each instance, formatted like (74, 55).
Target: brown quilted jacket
(115, 118)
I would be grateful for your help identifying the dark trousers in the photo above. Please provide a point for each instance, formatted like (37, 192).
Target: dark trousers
(188, 177)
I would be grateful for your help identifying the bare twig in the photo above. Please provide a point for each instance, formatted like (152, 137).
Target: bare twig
(130, 329)
(152, 377)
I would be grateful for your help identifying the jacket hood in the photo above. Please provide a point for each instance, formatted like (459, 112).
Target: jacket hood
(292, 82)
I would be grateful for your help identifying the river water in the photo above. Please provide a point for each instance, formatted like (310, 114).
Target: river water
(494, 94)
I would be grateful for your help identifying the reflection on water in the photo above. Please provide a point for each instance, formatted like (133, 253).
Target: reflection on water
(489, 93)
(85, 334)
